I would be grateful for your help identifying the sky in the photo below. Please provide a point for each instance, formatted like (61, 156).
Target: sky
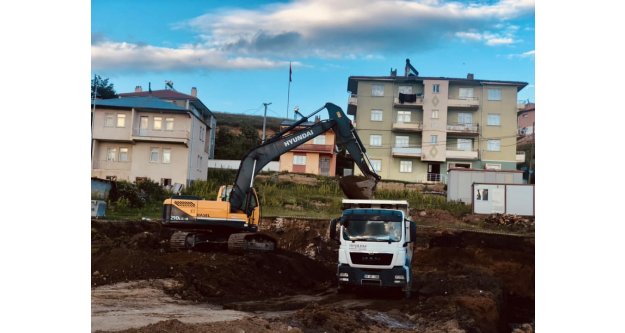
(238, 53)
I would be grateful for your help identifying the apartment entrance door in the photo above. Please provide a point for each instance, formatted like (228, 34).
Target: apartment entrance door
(143, 126)
(434, 172)
(324, 166)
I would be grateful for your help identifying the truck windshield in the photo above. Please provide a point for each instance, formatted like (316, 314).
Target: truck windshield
(372, 228)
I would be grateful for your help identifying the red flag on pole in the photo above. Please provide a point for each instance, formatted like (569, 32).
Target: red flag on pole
(290, 72)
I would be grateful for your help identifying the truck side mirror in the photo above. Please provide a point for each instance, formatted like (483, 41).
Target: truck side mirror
(333, 231)
(413, 231)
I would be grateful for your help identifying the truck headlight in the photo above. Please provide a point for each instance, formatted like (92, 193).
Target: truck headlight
(343, 274)
(400, 277)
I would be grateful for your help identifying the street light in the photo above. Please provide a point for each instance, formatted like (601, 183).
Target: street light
(265, 120)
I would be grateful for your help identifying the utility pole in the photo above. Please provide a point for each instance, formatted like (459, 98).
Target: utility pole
(265, 120)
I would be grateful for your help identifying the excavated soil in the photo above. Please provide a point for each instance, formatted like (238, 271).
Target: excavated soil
(464, 281)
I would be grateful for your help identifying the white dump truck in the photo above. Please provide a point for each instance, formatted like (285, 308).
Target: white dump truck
(375, 238)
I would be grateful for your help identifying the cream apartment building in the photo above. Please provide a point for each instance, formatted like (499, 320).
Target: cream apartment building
(416, 128)
(135, 138)
(316, 156)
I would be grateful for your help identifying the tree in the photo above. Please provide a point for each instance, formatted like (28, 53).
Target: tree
(104, 88)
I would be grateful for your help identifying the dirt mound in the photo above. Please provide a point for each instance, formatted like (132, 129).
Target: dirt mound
(238, 326)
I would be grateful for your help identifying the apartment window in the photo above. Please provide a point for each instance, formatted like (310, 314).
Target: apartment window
(376, 115)
(403, 116)
(465, 144)
(111, 154)
(434, 139)
(436, 88)
(494, 119)
(109, 120)
(465, 118)
(405, 89)
(492, 166)
(375, 140)
(494, 94)
(165, 181)
(465, 93)
(121, 120)
(154, 154)
(111, 178)
(434, 114)
(405, 166)
(199, 162)
(299, 159)
(402, 141)
(376, 165)
(320, 140)
(166, 155)
(377, 90)
(158, 123)
(202, 133)
(494, 145)
(460, 165)
(169, 124)
(123, 154)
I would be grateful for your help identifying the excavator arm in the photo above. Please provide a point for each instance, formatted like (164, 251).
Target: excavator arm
(281, 143)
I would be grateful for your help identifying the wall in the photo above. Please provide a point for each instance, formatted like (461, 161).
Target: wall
(460, 181)
(507, 131)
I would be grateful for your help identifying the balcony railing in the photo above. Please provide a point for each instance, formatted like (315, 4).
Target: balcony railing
(160, 135)
(463, 102)
(435, 178)
(352, 105)
(111, 165)
(313, 148)
(520, 156)
(407, 151)
(463, 128)
(409, 100)
(411, 126)
(462, 154)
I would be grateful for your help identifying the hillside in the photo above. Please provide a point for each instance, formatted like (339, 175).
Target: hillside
(235, 121)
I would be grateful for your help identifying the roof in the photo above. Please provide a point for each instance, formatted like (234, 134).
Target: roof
(162, 94)
(139, 103)
(353, 80)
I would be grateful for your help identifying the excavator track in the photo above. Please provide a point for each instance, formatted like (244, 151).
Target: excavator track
(249, 241)
(178, 241)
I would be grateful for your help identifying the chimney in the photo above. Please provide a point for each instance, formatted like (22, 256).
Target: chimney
(194, 92)
(470, 76)
(138, 89)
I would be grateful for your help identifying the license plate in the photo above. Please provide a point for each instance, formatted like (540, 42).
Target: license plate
(369, 276)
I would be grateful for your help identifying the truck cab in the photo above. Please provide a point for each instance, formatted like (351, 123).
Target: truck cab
(375, 244)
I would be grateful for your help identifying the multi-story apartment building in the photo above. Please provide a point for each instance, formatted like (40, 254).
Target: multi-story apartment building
(317, 156)
(416, 128)
(136, 138)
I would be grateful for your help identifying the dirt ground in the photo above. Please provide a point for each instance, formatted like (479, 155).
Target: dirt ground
(464, 282)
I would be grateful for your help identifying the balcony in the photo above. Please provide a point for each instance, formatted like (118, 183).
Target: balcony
(406, 151)
(111, 165)
(181, 136)
(463, 103)
(313, 148)
(352, 105)
(458, 154)
(520, 156)
(465, 129)
(416, 126)
(409, 100)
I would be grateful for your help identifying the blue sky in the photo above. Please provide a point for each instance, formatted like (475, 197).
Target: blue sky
(238, 54)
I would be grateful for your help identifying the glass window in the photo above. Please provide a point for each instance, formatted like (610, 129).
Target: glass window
(376, 165)
(158, 123)
(154, 154)
(403, 116)
(494, 94)
(375, 140)
(169, 124)
(465, 118)
(465, 93)
(465, 144)
(299, 159)
(377, 90)
(401, 141)
(376, 115)
(121, 120)
(405, 89)
(436, 88)
(123, 154)
(494, 119)
(494, 145)
(320, 140)
(405, 166)
(109, 120)
(434, 139)
(166, 155)
(434, 114)
(111, 154)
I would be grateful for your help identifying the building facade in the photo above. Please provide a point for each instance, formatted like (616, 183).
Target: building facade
(137, 138)
(316, 156)
(416, 128)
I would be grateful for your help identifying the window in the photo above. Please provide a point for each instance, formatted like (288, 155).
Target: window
(111, 178)
(166, 155)
(199, 162)
(377, 90)
(460, 165)
(121, 120)
(123, 154)
(140, 180)
(465, 144)
(158, 123)
(405, 166)
(154, 154)
(376, 115)
(111, 154)
(165, 181)
(494, 145)
(434, 114)
(405, 89)
(465, 93)
(169, 124)
(320, 140)
(465, 118)
(376, 165)
(375, 140)
(436, 88)
(403, 116)
(202, 129)
(492, 166)
(401, 141)
(109, 120)
(494, 94)
(434, 139)
(299, 159)
(494, 119)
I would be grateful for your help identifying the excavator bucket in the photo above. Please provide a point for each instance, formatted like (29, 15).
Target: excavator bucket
(358, 187)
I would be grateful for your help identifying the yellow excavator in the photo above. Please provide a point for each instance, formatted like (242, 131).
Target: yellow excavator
(233, 218)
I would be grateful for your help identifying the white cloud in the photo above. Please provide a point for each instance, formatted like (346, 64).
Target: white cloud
(528, 54)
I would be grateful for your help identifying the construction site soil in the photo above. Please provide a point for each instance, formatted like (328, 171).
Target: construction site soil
(465, 281)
